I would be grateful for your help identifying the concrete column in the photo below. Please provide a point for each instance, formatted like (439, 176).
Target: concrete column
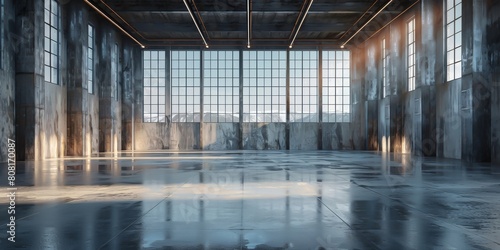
(430, 56)
(30, 85)
(109, 97)
(8, 48)
(358, 114)
(77, 77)
(493, 41)
(371, 82)
(128, 94)
(476, 83)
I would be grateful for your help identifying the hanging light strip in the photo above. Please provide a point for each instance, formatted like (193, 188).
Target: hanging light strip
(114, 23)
(364, 25)
(301, 22)
(195, 23)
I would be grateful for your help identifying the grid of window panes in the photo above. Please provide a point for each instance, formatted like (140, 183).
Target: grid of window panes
(385, 69)
(221, 82)
(336, 86)
(411, 54)
(453, 39)
(154, 86)
(185, 82)
(303, 86)
(264, 86)
(51, 34)
(114, 72)
(90, 60)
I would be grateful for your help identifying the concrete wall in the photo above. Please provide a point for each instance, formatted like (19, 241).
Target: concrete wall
(224, 136)
(49, 120)
(457, 119)
(453, 119)
(7, 79)
(493, 57)
(40, 106)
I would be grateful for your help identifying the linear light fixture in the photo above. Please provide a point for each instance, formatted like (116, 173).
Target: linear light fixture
(301, 22)
(400, 14)
(114, 23)
(364, 25)
(249, 20)
(195, 23)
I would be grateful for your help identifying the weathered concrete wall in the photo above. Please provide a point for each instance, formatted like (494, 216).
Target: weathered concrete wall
(493, 57)
(184, 136)
(75, 33)
(128, 91)
(109, 98)
(64, 119)
(303, 136)
(358, 107)
(337, 136)
(220, 136)
(7, 79)
(40, 106)
(150, 136)
(447, 119)
(262, 136)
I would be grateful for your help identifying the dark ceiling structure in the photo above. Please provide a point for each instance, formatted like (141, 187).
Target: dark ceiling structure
(252, 23)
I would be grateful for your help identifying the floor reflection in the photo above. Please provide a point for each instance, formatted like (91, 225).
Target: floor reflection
(255, 200)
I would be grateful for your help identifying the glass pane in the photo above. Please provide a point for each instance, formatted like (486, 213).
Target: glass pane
(458, 39)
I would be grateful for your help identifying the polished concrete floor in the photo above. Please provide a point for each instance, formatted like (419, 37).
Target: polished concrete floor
(254, 200)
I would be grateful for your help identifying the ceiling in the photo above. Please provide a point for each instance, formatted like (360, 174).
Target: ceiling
(272, 23)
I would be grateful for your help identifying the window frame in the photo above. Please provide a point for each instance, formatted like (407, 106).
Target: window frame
(115, 76)
(154, 86)
(411, 61)
(90, 58)
(303, 116)
(53, 48)
(264, 86)
(385, 53)
(187, 100)
(215, 80)
(336, 69)
(455, 66)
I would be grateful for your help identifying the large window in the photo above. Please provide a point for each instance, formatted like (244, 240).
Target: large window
(410, 50)
(385, 69)
(336, 86)
(303, 86)
(264, 86)
(154, 86)
(453, 39)
(221, 95)
(90, 59)
(185, 76)
(51, 43)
